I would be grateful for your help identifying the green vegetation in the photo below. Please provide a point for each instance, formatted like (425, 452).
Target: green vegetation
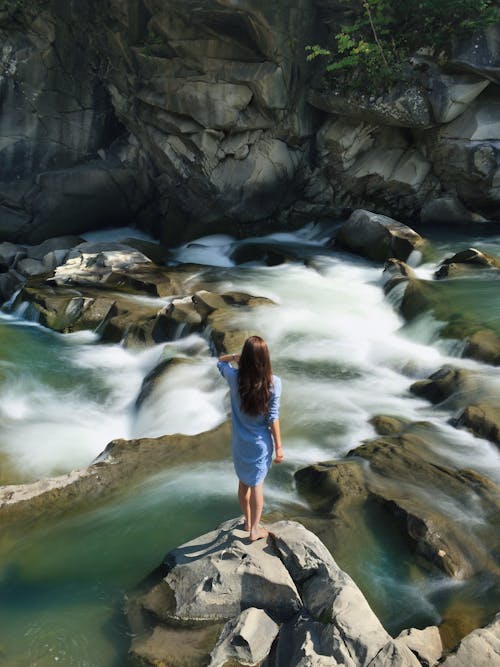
(374, 44)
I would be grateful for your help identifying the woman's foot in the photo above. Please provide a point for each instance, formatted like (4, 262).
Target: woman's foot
(258, 534)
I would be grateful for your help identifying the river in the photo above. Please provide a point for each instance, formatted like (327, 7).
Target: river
(344, 355)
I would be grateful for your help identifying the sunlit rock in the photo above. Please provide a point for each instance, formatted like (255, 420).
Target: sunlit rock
(291, 577)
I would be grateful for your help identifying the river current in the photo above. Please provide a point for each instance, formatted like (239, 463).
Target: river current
(344, 355)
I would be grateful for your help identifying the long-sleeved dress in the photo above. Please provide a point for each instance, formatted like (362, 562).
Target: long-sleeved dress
(252, 443)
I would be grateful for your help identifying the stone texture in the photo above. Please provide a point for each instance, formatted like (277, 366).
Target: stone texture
(408, 456)
(480, 648)
(448, 382)
(466, 261)
(246, 639)
(122, 459)
(482, 419)
(378, 237)
(324, 619)
(426, 644)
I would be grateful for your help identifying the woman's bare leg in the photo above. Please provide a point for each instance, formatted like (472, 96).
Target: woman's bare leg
(244, 498)
(256, 507)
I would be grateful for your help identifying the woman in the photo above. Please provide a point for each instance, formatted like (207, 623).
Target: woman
(255, 403)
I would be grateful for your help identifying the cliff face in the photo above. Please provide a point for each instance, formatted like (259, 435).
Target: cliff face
(197, 116)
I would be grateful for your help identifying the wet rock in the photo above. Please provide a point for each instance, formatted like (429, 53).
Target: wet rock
(418, 298)
(445, 209)
(446, 383)
(10, 282)
(483, 420)
(378, 237)
(396, 461)
(483, 345)
(331, 480)
(395, 272)
(480, 648)
(466, 261)
(386, 425)
(130, 460)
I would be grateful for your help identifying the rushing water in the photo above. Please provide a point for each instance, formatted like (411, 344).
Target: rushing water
(344, 355)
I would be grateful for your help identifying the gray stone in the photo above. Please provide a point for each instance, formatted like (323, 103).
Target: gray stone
(445, 209)
(480, 648)
(395, 655)
(215, 576)
(354, 632)
(54, 244)
(10, 282)
(426, 644)
(378, 237)
(246, 639)
(30, 267)
(10, 253)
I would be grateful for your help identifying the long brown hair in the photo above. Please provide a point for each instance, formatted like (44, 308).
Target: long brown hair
(255, 377)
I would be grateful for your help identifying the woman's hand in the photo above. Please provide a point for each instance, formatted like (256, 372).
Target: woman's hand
(279, 456)
(228, 358)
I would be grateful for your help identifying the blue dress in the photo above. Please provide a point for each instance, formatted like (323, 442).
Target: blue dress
(251, 442)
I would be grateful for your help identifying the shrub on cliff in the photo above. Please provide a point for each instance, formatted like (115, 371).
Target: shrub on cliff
(377, 37)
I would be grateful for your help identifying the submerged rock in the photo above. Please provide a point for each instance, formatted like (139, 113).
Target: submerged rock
(466, 261)
(129, 460)
(482, 419)
(398, 462)
(448, 382)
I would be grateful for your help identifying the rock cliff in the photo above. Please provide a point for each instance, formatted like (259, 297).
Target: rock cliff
(188, 117)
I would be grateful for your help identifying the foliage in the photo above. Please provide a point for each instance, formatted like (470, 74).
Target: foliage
(10, 6)
(379, 35)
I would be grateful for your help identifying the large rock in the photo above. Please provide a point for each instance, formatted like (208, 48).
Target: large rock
(290, 577)
(465, 261)
(401, 460)
(122, 459)
(482, 419)
(480, 648)
(378, 237)
(448, 382)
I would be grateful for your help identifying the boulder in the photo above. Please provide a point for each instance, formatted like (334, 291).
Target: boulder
(479, 54)
(378, 237)
(10, 282)
(10, 253)
(466, 261)
(407, 459)
(130, 460)
(53, 244)
(480, 648)
(482, 419)
(448, 382)
(483, 345)
(30, 267)
(247, 639)
(426, 644)
(323, 617)
(445, 209)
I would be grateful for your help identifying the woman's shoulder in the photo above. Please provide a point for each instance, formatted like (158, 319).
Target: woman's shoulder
(276, 383)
